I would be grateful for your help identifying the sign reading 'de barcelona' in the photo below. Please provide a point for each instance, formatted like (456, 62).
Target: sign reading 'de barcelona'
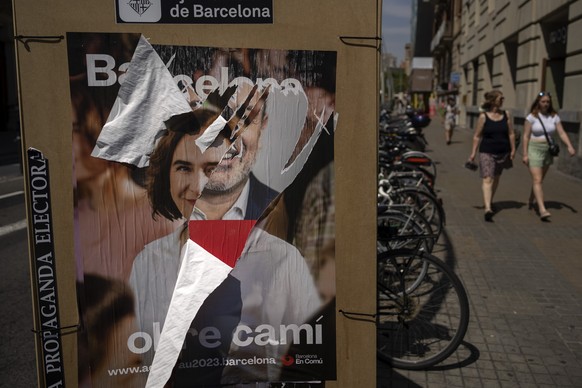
(195, 11)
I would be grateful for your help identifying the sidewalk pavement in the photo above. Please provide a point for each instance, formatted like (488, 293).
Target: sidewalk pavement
(523, 277)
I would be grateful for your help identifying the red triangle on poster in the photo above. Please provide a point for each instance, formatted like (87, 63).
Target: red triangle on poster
(223, 239)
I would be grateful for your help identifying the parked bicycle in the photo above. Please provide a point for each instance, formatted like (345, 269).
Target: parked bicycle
(422, 310)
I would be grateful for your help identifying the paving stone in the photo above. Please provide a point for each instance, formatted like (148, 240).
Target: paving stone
(486, 383)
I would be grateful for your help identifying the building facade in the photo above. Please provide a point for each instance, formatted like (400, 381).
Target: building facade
(521, 47)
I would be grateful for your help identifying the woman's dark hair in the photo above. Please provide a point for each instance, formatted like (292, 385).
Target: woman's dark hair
(158, 173)
(490, 98)
(158, 176)
(103, 304)
(535, 106)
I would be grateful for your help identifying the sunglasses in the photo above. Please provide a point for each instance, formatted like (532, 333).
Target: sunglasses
(541, 94)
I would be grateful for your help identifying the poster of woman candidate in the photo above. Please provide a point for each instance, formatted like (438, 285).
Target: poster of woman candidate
(204, 213)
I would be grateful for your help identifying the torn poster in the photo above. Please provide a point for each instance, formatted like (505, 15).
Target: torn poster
(204, 213)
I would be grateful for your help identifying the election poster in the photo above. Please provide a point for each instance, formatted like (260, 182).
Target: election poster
(204, 210)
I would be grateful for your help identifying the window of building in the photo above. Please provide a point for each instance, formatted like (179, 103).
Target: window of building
(555, 33)
(475, 97)
(489, 63)
(511, 55)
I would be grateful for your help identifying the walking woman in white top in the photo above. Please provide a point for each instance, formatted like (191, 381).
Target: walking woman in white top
(536, 154)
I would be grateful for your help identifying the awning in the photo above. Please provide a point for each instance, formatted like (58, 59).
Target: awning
(421, 80)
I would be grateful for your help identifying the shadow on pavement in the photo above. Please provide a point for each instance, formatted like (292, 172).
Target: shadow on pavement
(450, 258)
(506, 205)
(559, 205)
(390, 378)
(472, 357)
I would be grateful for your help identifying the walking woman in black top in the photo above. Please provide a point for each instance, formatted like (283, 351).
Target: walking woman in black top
(495, 139)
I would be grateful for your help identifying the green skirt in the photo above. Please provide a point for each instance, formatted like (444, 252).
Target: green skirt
(538, 154)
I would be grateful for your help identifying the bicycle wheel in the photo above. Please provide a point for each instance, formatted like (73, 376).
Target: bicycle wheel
(411, 179)
(427, 204)
(407, 167)
(404, 221)
(422, 310)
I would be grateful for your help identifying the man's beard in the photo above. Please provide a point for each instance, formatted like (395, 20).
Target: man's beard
(230, 178)
(234, 180)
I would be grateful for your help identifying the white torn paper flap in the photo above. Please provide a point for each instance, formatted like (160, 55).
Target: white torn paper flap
(148, 97)
(200, 274)
(210, 134)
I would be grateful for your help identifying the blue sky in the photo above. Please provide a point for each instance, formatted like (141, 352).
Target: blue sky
(396, 26)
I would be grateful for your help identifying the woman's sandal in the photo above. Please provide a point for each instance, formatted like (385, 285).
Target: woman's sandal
(545, 216)
(489, 215)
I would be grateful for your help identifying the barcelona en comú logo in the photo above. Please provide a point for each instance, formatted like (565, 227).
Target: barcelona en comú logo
(140, 6)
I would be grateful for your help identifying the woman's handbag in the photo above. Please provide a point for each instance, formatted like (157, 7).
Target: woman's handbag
(554, 148)
(471, 166)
